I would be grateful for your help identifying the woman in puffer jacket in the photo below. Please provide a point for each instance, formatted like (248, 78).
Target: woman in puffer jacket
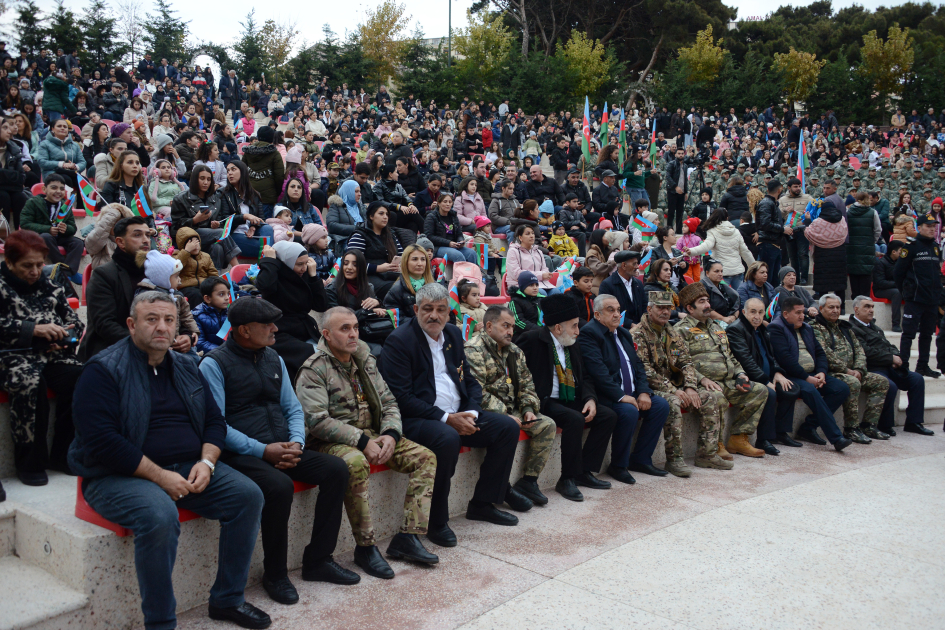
(524, 255)
(727, 246)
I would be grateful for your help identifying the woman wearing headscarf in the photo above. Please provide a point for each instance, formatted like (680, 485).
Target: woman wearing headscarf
(828, 233)
(345, 213)
(288, 278)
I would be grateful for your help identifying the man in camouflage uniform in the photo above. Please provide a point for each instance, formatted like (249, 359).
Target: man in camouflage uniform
(820, 171)
(870, 182)
(846, 182)
(672, 375)
(922, 201)
(720, 185)
(814, 188)
(783, 175)
(917, 185)
(847, 362)
(892, 185)
(939, 182)
(831, 173)
(928, 173)
(352, 414)
(905, 172)
(508, 388)
(719, 371)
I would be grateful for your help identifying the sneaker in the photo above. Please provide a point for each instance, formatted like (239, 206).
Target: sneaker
(76, 278)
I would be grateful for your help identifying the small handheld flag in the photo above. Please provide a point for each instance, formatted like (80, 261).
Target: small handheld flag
(482, 253)
(231, 284)
(802, 164)
(65, 208)
(87, 190)
(264, 242)
(227, 228)
(645, 263)
(336, 268)
(643, 224)
(604, 127)
(586, 131)
(224, 329)
(394, 314)
(623, 138)
(469, 327)
(454, 301)
(769, 312)
(142, 208)
(623, 316)
(653, 148)
(568, 265)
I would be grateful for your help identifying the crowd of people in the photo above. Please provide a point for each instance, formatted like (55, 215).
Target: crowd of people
(647, 278)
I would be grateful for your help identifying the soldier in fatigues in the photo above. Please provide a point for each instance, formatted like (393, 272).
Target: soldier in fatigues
(508, 388)
(847, 362)
(673, 376)
(351, 413)
(717, 369)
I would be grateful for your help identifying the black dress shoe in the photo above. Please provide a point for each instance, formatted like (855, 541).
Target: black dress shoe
(787, 440)
(441, 536)
(927, 371)
(373, 563)
(245, 615)
(842, 443)
(530, 489)
(647, 469)
(810, 435)
(890, 432)
(857, 436)
(767, 447)
(569, 490)
(37, 478)
(588, 480)
(518, 501)
(409, 547)
(491, 514)
(329, 571)
(897, 329)
(281, 590)
(912, 427)
(621, 474)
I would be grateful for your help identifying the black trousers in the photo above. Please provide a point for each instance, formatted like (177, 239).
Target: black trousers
(328, 472)
(497, 433)
(71, 244)
(568, 417)
(36, 455)
(11, 203)
(895, 301)
(778, 413)
(412, 222)
(918, 319)
(860, 285)
(675, 209)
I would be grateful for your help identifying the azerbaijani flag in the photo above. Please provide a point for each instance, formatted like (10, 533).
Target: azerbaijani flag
(623, 317)
(227, 228)
(568, 265)
(336, 269)
(482, 254)
(564, 282)
(604, 127)
(264, 241)
(141, 206)
(394, 314)
(88, 193)
(454, 301)
(623, 138)
(645, 263)
(653, 141)
(586, 131)
(65, 208)
(643, 224)
(469, 327)
(224, 329)
(769, 312)
(230, 283)
(802, 164)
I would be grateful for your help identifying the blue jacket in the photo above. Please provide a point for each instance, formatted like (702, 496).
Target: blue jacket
(748, 290)
(635, 308)
(407, 366)
(209, 319)
(602, 362)
(784, 345)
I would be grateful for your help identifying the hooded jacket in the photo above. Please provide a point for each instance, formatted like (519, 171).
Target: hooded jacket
(728, 247)
(196, 268)
(266, 170)
(735, 201)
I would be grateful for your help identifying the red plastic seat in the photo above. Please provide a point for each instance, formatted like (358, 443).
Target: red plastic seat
(877, 299)
(38, 189)
(239, 272)
(86, 276)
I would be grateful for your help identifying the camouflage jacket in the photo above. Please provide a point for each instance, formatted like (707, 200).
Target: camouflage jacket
(507, 384)
(709, 349)
(921, 205)
(665, 356)
(22, 310)
(330, 402)
(840, 345)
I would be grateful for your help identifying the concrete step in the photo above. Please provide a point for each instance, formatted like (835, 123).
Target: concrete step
(31, 598)
(934, 409)
(7, 529)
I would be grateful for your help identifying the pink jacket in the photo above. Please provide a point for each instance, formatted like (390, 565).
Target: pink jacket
(468, 209)
(519, 260)
(279, 228)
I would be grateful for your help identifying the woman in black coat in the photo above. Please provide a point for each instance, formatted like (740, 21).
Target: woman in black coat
(735, 200)
(352, 289)
(827, 234)
(289, 279)
(414, 273)
(12, 177)
(380, 246)
(723, 299)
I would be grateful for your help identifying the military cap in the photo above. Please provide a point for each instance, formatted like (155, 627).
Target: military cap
(941, 169)
(690, 293)
(872, 169)
(249, 310)
(814, 176)
(661, 298)
(881, 179)
(334, 166)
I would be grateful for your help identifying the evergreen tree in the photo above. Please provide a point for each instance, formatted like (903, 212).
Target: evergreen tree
(64, 29)
(249, 50)
(164, 34)
(29, 28)
(101, 36)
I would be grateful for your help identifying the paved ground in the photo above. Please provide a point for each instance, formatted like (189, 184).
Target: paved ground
(810, 539)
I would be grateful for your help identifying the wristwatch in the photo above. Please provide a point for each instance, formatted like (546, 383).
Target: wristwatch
(210, 465)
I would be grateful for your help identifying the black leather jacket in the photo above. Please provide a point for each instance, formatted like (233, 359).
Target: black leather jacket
(742, 341)
(770, 224)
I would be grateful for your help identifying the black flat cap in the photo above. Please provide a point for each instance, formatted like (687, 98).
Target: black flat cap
(625, 255)
(249, 310)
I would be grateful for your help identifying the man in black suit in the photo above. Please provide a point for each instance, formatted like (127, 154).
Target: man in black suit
(567, 396)
(424, 363)
(621, 383)
(624, 285)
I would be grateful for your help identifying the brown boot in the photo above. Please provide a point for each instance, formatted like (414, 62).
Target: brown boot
(723, 453)
(740, 444)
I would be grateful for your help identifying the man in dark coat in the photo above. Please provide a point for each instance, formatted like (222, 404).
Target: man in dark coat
(918, 275)
(424, 363)
(624, 285)
(567, 396)
(884, 282)
(771, 228)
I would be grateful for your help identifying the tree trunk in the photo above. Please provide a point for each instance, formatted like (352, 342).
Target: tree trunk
(646, 71)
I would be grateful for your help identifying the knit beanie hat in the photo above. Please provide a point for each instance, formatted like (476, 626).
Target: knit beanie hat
(288, 252)
(785, 271)
(311, 232)
(482, 221)
(158, 268)
(119, 129)
(266, 134)
(692, 223)
(425, 243)
(526, 279)
(294, 155)
(162, 140)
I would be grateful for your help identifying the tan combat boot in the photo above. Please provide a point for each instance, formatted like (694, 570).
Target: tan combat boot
(724, 454)
(714, 462)
(740, 444)
(678, 467)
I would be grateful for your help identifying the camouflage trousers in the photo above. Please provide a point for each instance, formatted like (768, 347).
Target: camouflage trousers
(709, 425)
(875, 387)
(417, 461)
(750, 403)
(542, 434)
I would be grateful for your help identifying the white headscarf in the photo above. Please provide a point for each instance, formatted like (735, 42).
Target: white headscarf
(288, 252)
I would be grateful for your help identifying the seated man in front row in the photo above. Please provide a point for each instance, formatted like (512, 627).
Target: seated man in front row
(351, 413)
(883, 358)
(147, 437)
(425, 366)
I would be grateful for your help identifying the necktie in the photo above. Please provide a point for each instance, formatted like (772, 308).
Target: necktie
(624, 369)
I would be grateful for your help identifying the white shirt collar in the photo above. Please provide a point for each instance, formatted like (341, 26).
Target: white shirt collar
(860, 320)
(435, 342)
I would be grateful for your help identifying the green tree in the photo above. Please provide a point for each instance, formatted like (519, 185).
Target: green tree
(249, 49)
(480, 51)
(165, 33)
(703, 59)
(382, 38)
(278, 40)
(425, 73)
(29, 27)
(887, 64)
(64, 29)
(588, 60)
(101, 36)
(302, 69)
(799, 72)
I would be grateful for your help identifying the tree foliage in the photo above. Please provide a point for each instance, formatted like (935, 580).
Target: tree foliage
(102, 38)
(250, 50)
(481, 50)
(165, 34)
(887, 63)
(130, 26)
(29, 26)
(703, 59)
(65, 30)
(278, 39)
(799, 72)
(588, 60)
(382, 38)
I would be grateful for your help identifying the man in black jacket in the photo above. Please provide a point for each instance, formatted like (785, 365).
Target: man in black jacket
(424, 363)
(677, 184)
(749, 342)
(540, 188)
(884, 282)
(265, 441)
(579, 188)
(883, 358)
(607, 197)
(567, 396)
(918, 275)
(771, 228)
(626, 287)
(621, 383)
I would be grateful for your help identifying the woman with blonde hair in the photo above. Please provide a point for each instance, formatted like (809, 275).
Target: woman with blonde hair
(415, 272)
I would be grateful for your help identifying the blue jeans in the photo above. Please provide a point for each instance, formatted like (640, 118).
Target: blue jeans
(249, 245)
(635, 194)
(266, 209)
(109, 116)
(451, 254)
(772, 255)
(144, 508)
(654, 419)
(53, 117)
(505, 229)
(733, 281)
